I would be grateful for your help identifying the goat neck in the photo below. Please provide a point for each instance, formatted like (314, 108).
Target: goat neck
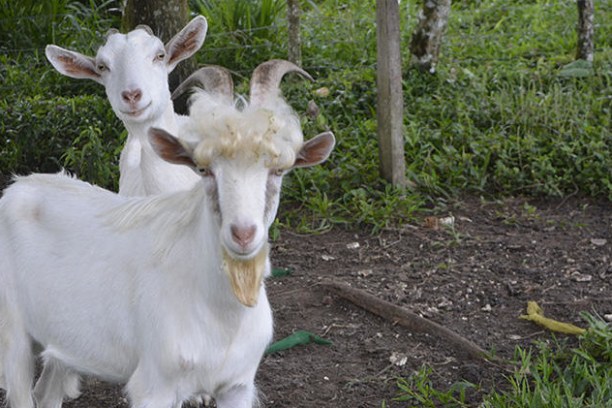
(143, 172)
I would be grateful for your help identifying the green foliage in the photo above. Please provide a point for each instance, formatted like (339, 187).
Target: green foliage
(522, 135)
(418, 390)
(500, 117)
(242, 33)
(337, 35)
(43, 135)
(92, 158)
(29, 25)
(552, 374)
(559, 376)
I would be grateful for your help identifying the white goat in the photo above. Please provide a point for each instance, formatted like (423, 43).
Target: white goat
(164, 292)
(134, 69)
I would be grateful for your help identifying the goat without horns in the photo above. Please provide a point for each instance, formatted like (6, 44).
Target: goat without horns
(134, 69)
(164, 293)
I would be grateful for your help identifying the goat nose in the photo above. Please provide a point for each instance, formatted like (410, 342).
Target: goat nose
(243, 235)
(131, 96)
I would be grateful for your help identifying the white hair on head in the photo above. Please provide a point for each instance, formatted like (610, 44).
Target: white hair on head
(272, 131)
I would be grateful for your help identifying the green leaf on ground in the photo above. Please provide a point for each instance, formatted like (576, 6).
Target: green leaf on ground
(300, 337)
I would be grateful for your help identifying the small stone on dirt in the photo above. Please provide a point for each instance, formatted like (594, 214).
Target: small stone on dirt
(599, 241)
(352, 245)
(399, 359)
(579, 277)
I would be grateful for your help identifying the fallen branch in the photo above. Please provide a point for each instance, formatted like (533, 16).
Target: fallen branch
(415, 323)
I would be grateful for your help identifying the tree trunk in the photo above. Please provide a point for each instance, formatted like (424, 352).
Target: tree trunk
(586, 14)
(389, 101)
(427, 38)
(166, 18)
(294, 52)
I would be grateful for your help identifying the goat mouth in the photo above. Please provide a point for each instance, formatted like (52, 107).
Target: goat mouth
(136, 112)
(246, 275)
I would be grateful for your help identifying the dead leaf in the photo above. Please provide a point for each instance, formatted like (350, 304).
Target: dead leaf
(431, 223)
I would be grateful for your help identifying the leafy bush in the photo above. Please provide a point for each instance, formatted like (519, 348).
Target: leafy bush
(29, 25)
(242, 33)
(81, 134)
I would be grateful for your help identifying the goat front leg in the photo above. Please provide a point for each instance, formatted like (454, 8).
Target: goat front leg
(18, 367)
(56, 382)
(148, 388)
(239, 396)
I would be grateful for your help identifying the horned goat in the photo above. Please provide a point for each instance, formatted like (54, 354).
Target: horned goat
(134, 69)
(166, 292)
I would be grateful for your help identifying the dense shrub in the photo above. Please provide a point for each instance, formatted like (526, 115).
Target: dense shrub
(42, 134)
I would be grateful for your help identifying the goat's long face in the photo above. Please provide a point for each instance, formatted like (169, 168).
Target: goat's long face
(133, 67)
(133, 70)
(244, 195)
(243, 189)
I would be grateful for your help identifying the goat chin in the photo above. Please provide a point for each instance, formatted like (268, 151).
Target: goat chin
(246, 275)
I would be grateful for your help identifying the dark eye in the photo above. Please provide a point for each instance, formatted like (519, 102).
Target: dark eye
(206, 172)
(101, 67)
(160, 56)
(277, 172)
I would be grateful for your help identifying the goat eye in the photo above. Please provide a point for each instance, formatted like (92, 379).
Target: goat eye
(160, 56)
(101, 67)
(277, 172)
(206, 172)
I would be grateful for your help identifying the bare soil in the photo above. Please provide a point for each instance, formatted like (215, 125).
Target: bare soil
(474, 277)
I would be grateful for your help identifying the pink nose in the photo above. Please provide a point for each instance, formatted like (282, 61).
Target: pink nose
(131, 96)
(243, 235)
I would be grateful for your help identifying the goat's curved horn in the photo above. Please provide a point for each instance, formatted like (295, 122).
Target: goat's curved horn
(212, 78)
(144, 27)
(267, 77)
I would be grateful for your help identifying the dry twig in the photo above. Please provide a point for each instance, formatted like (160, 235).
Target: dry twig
(396, 314)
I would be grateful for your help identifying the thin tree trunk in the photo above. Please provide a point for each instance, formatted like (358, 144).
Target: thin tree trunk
(427, 38)
(586, 14)
(166, 18)
(295, 43)
(389, 101)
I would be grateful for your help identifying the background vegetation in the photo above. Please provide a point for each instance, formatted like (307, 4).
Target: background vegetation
(501, 116)
(504, 115)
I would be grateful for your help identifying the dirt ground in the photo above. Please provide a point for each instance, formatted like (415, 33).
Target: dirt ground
(473, 277)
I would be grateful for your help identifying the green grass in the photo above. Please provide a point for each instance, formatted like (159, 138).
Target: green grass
(241, 30)
(28, 25)
(550, 374)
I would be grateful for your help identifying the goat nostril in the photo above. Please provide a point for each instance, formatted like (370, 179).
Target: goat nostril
(243, 235)
(137, 94)
(132, 96)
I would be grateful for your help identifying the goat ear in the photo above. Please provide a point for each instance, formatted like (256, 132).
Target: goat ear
(72, 64)
(184, 44)
(315, 150)
(169, 148)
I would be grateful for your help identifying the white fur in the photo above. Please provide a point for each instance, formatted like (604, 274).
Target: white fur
(130, 62)
(134, 289)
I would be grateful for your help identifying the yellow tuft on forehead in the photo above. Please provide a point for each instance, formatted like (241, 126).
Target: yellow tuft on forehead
(251, 134)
